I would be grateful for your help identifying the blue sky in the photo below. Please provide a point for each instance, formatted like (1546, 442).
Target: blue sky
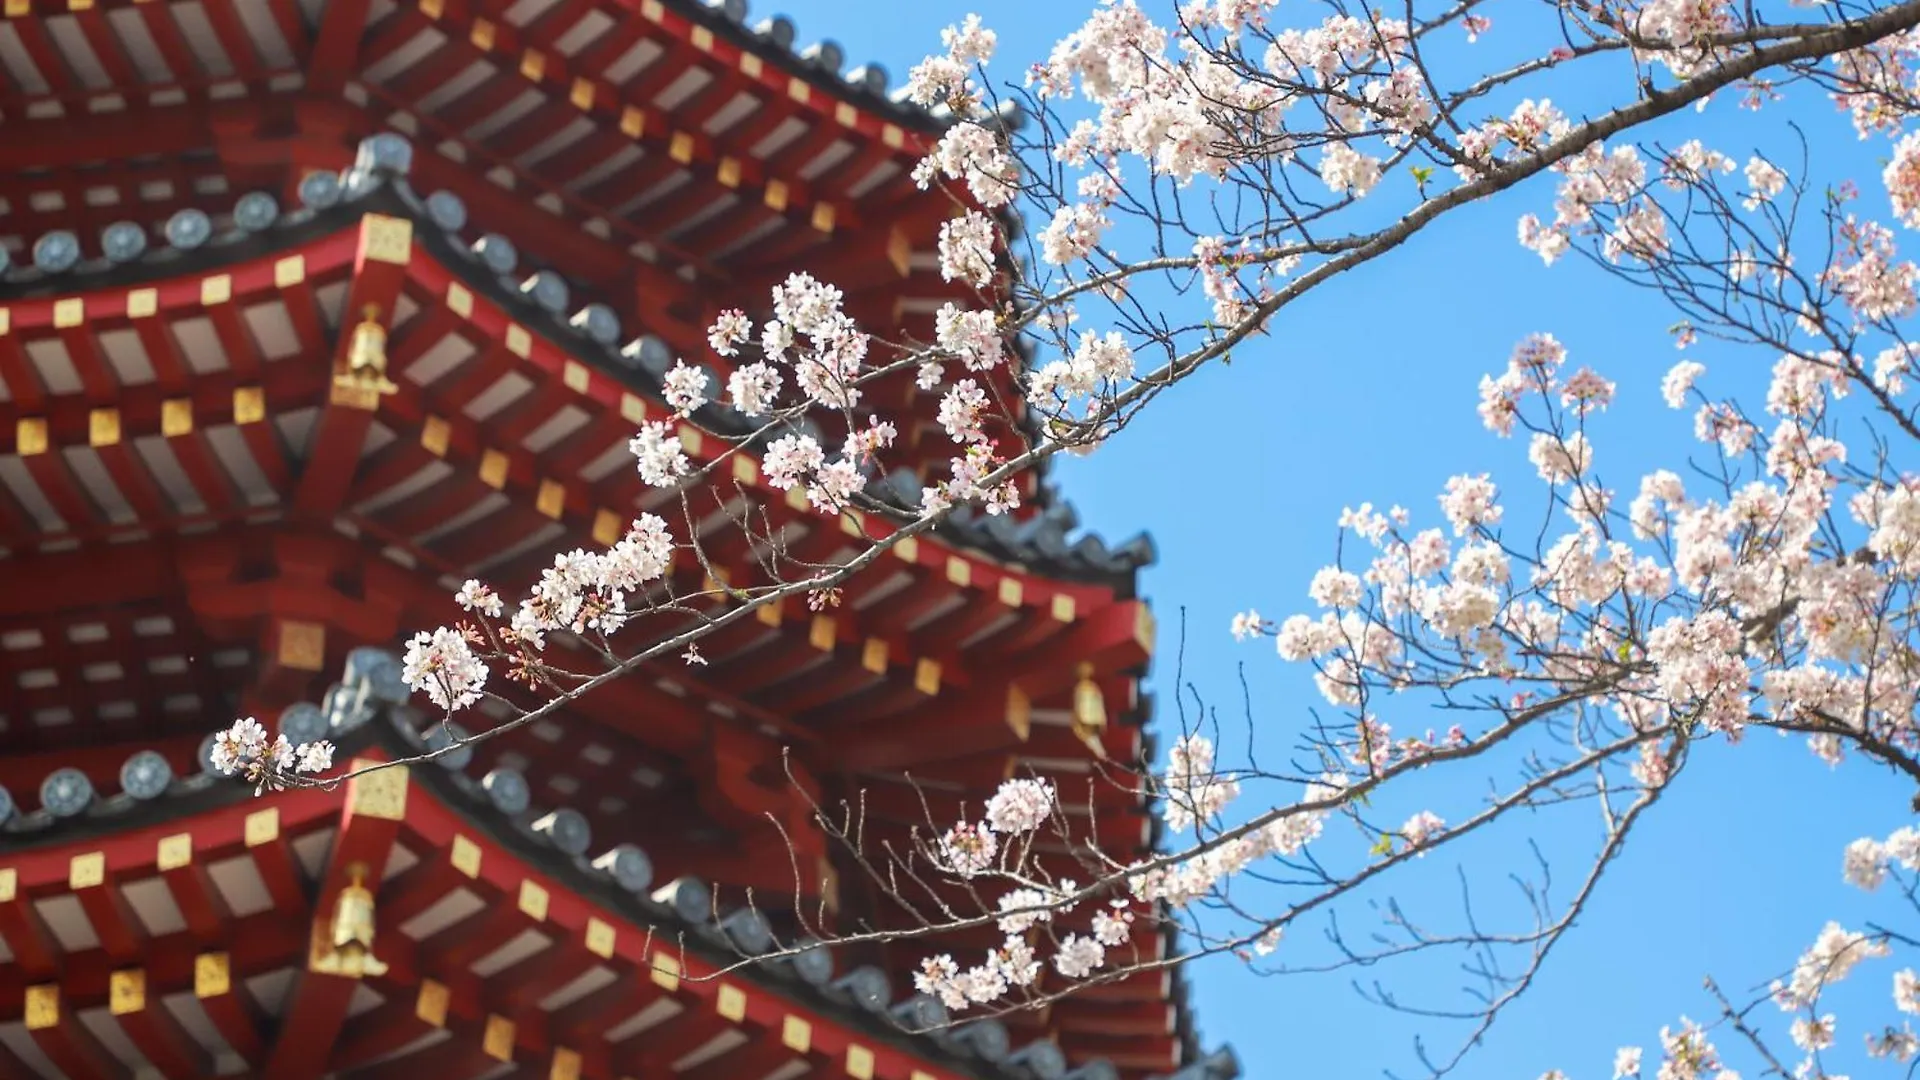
(1367, 392)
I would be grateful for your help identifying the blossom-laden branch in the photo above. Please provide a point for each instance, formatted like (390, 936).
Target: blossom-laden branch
(1192, 175)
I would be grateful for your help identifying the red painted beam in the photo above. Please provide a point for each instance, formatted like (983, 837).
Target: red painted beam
(68, 1043)
(317, 1007)
(383, 249)
(336, 46)
(384, 1031)
(160, 1037)
(653, 1052)
(114, 923)
(458, 1058)
(765, 1054)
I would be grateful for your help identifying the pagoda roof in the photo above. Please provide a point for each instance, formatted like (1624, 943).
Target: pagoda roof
(679, 921)
(673, 160)
(649, 138)
(592, 332)
(234, 43)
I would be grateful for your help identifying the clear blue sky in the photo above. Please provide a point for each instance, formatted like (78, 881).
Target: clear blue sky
(1367, 393)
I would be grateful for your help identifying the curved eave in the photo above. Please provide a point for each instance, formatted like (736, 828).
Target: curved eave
(648, 936)
(828, 81)
(1039, 545)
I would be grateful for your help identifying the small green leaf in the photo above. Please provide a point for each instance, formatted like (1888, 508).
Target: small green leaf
(1384, 847)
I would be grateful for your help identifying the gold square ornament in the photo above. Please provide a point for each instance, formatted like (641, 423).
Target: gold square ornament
(249, 404)
(601, 938)
(379, 794)
(606, 528)
(262, 826)
(43, 1007)
(1063, 607)
(431, 1005)
(493, 469)
(176, 417)
(30, 436)
(126, 991)
(174, 852)
(87, 871)
(212, 975)
(103, 427)
(552, 499)
(387, 239)
(533, 901)
(498, 1039)
(303, 645)
(436, 435)
(466, 856)
(665, 971)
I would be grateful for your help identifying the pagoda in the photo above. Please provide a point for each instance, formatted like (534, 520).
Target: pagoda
(308, 312)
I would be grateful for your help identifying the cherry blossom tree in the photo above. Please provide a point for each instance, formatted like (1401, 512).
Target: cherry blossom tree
(1177, 180)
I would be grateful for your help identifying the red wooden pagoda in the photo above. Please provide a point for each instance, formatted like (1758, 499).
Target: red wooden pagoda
(528, 207)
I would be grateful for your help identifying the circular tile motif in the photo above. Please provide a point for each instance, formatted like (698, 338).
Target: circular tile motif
(692, 900)
(319, 191)
(868, 986)
(146, 775)
(988, 1038)
(440, 736)
(188, 229)
(57, 252)
(568, 830)
(123, 241)
(386, 150)
(447, 211)
(1044, 1060)
(496, 253)
(778, 30)
(827, 54)
(66, 792)
(631, 868)
(547, 289)
(255, 211)
(748, 930)
(599, 323)
(814, 965)
(921, 1012)
(303, 722)
(870, 77)
(205, 755)
(380, 670)
(507, 790)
